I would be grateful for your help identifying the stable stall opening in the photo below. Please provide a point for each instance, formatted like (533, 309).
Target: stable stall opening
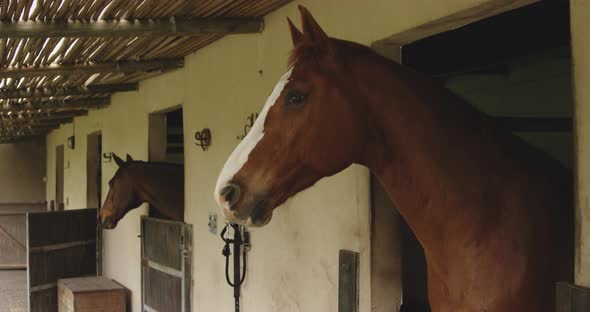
(166, 140)
(166, 143)
(58, 204)
(516, 67)
(94, 170)
(166, 261)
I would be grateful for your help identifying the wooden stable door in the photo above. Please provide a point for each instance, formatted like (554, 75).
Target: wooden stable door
(59, 245)
(166, 262)
(13, 233)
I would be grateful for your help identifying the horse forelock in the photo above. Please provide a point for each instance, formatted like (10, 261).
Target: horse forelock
(240, 155)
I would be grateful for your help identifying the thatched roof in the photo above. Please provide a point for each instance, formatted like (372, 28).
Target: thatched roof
(59, 58)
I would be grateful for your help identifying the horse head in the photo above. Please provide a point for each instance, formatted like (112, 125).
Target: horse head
(122, 196)
(308, 129)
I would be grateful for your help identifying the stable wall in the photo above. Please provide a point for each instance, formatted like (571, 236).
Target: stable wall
(22, 168)
(293, 265)
(580, 19)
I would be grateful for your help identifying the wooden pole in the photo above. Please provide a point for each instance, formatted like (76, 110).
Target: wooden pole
(92, 68)
(137, 28)
(52, 105)
(66, 91)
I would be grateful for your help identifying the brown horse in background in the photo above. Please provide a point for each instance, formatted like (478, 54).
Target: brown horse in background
(136, 182)
(493, 213)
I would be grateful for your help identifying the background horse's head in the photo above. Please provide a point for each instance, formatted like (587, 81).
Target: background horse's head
(308, 129)
(122, 196)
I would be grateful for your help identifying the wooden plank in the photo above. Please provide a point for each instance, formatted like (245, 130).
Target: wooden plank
(147, 308)
(90, 284)
(47, 265)
(166, 265)
(34, 121)
(48, 248)
(93, 68)
(162, 243)
(52, 105)
(456, 20)
(162, 268)
(67, 91)
(192, 26)
(12, 240)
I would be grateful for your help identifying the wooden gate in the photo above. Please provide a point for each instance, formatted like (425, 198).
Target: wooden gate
(13, 234)
(60, 245)
(166, 262)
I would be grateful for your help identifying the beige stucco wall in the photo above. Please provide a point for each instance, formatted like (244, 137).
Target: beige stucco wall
(293, 262)
(22, 168)
(580, 18)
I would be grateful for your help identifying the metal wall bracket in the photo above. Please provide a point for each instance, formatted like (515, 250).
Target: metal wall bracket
(348, 273)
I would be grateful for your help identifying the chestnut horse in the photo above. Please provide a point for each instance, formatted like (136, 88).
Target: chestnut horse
(493, 213)
(137, 182)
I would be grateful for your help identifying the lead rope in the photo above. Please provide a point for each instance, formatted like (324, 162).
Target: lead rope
(238, 242)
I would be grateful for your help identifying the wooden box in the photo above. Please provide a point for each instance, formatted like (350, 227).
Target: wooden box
(90, 294)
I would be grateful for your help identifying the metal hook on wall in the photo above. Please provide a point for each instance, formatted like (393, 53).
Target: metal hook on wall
(203, 138)
(107, 157)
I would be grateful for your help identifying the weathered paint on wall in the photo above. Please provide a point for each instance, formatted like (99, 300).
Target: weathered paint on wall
(580, 17)
(293, 264)
(22, 168)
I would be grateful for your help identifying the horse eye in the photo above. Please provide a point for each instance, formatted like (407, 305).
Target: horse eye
(294, 98)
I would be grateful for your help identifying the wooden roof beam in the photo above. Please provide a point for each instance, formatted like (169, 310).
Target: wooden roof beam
(37, 121)
(24, 133)
(92, 68)
(191, 26)
(53, 105)
(16, 139)
(66, 91)
(49, 114)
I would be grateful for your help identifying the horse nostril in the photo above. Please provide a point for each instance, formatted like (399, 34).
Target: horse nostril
(107, 222)
(231, 194)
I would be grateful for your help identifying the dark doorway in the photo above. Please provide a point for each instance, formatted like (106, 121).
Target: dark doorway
(94, 170)
(59, 178)
(514, 66)
(166, 140)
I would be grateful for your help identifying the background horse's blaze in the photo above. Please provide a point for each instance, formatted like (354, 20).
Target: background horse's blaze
(493, 213)
(137, 182)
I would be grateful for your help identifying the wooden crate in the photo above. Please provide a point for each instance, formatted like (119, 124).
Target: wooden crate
(90, 294)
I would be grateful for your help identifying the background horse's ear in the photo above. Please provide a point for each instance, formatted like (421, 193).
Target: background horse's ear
(312, 30)
(129, 159)
(296, 35)
(118, 161)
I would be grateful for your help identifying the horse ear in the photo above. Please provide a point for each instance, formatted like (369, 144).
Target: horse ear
(118, 161)
(129, 159)
(296, 34)
(311, 29)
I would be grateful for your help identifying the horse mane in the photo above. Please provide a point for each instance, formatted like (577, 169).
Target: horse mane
(305, 51)
(157, 163)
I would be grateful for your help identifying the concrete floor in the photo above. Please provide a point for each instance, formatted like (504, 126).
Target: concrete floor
(13, 290)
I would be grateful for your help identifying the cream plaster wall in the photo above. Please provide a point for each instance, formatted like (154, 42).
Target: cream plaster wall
(293, 262)
(22, 168)
(580, 18)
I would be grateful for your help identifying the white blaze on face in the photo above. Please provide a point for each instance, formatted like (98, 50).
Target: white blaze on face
(240, 155)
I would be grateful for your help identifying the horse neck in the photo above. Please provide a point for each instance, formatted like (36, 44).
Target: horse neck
(160, 186)
(415, 147)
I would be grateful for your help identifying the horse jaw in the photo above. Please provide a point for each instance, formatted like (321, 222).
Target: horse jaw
(240, 155)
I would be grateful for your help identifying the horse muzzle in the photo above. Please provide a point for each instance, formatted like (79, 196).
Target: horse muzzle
(108, 223)
(246, 210)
